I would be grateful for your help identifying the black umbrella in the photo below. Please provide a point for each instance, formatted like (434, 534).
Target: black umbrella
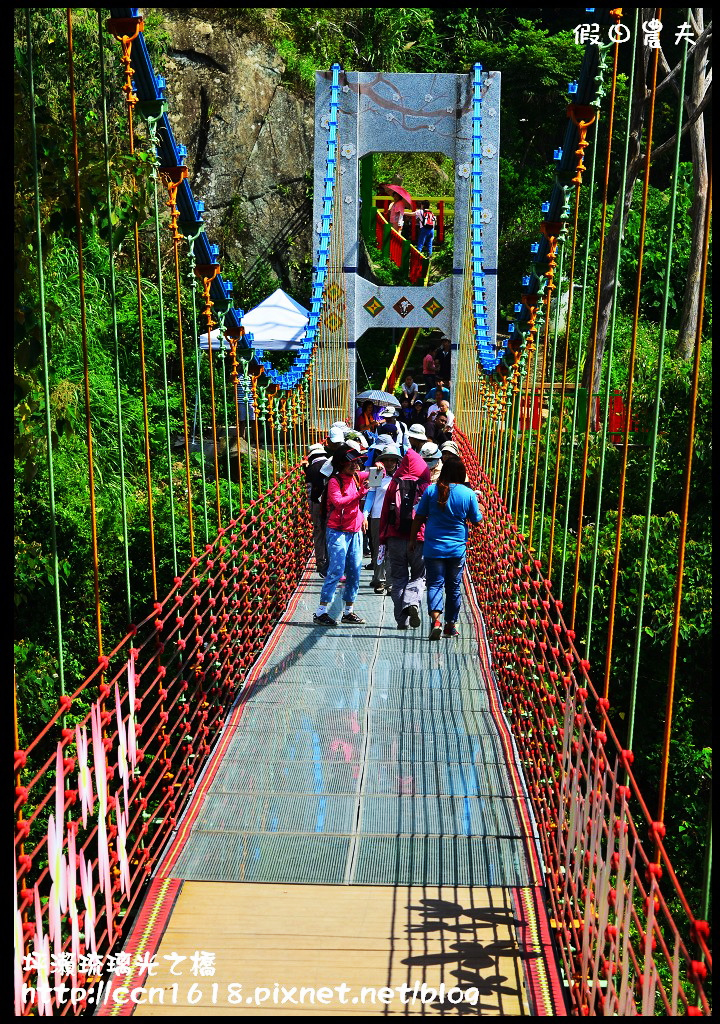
(380, 397)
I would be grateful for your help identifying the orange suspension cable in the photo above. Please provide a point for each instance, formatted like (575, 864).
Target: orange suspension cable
(233, 335)
(684, 517)
(551, 232)
(172, 176)
(207, 274)
(582, 117)
(631, 369)
(271, 409)
(83, 325)
(125, 31)
(531, 351)
(591, 356)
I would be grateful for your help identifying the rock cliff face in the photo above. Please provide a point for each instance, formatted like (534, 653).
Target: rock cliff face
(250, 149)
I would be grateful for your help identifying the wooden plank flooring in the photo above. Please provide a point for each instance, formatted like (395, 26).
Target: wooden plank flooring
(276, 937)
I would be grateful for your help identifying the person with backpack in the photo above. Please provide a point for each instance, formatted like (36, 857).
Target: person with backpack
(426, 227)
(315, 481)
(444, 511)
(346, 525)
(388, 456)
(405, 569)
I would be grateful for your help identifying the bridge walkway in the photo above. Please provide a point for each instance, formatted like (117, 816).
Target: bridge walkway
(367, 786)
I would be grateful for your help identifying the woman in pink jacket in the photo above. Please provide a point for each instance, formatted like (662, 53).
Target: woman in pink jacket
(345, 526)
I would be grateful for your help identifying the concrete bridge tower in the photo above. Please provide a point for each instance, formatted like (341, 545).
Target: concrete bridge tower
(411, 113)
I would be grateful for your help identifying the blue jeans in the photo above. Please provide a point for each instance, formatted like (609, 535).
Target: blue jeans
(444, 574)
(345, 552)
(425, 235)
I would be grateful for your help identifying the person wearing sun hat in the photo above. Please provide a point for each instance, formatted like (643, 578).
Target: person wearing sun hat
(345, 491)
(405, 569)
(432, 457)
(392, 428)
(316, 482)
(449, 450)
(388, 456)
(417, 437)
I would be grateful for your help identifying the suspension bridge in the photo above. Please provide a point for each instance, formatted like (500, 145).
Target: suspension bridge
(236, 812)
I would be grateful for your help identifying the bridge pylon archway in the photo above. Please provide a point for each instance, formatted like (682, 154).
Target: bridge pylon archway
(413, 113)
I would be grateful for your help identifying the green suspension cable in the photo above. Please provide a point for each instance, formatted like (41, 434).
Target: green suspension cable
(539, 324)
(262, 414)
(583, 300)
(244, 364)
(198, 399)
(223, 357)
(561, 262)
(522, 370)
(151, 122)
(506, 438)
(113, 307)
(46, 364)
(658, 400)
(609, 368)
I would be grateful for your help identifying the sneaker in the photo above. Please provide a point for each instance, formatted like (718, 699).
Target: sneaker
(380, 589)
(450, 629)
(414, 616)
(342, 579)
(353, 617)
(402, 625)
(324, 620)
(435, 631)
(371, 566)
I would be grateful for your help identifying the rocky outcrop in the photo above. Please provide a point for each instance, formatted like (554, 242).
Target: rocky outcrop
(250, 146)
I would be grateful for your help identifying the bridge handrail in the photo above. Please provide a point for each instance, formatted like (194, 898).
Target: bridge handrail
(108, 804)
(551, 698)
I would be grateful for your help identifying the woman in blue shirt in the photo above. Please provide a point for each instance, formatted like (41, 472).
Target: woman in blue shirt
(446, 508)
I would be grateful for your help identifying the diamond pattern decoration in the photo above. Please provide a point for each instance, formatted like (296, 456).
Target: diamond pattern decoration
(432, 307)
(334, 292)
(403, 306)
(333, 320)
(374, 306)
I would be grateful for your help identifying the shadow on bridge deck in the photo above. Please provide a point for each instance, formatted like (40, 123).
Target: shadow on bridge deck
(367, 781)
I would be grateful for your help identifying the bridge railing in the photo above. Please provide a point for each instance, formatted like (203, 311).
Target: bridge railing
(102, 787)
(627, 938)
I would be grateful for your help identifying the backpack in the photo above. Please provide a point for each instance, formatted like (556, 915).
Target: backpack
(400, 511)
(427, 219)
(317, 481)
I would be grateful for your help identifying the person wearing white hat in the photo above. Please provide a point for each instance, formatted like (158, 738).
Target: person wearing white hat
(345, 492)
(406, 569)
(316, 482)
(417, 436)
(388, 457)
(433, 459)
(449, 450)
(392, 428)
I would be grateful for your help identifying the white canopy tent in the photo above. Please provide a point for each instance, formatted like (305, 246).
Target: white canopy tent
(215, 337)
(277, 324)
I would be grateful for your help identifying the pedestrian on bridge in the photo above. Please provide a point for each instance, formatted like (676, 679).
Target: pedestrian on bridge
(346, 524)
(426, 227)
(444, 511)
(405, 569)
(316, 482)
(388, 457)
(429, 370)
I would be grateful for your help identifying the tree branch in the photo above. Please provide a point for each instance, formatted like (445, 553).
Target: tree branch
(672, 75)
(663, 148)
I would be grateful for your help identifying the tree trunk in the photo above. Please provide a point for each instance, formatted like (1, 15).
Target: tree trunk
(691, 302)
(599, 328)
